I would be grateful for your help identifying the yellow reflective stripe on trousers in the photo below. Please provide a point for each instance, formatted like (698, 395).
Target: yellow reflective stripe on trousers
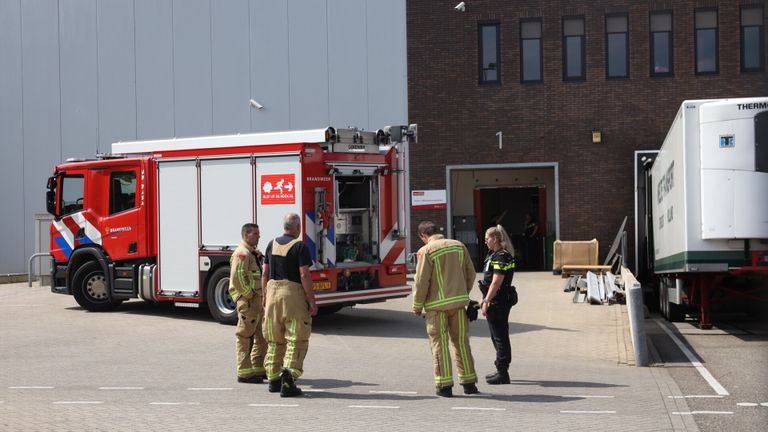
(291, 345)
(444, 342)
(271, 351)
(463, 346)
(442, 302)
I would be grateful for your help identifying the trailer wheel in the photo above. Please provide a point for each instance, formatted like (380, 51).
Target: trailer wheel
(670, 311)
(220, 304)
(91, 290)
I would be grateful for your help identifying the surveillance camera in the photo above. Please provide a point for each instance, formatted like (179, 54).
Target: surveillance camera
(461, 7)
(256, 105)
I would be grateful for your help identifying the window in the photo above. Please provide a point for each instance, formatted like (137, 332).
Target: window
(530, 50)
(573, 49)
(617, 46)
(661, 44)
(490, 72)
(706, 42)
(72, 194)
(122, 191)
(752, 39)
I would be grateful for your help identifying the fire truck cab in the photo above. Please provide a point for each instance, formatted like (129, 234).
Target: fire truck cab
(158, 220)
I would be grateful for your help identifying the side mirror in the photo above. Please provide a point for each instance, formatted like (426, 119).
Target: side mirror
(50, 197)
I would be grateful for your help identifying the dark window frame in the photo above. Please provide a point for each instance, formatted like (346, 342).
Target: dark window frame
(626, 46)
(761, 67)
(541, 50)
(71, 208)
(583, 54)
(112, 200)
(481, 81)
(696, 41)
(670, 44)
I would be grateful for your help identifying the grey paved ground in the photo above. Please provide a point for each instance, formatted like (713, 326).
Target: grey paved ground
(158, 368)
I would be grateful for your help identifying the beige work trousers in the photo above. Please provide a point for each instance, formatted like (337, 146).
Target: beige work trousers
(287, 327)
(250, 346)
(452, 325)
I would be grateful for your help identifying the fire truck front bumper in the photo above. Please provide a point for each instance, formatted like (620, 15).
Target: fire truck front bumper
(59, 279)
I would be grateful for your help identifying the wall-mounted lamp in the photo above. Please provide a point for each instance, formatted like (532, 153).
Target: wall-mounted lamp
(255, 104)
(461, 7)
(597, 137)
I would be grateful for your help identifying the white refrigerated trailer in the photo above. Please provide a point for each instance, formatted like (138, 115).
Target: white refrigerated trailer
(710, 205)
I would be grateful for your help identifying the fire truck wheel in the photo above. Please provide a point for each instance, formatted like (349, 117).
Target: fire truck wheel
(219, 302)
(89, 286)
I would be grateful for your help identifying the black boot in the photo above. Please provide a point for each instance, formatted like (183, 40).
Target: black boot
(288, 386)
(274, 386)
(470, 388)
(500, 377)
(255, 379)
(444, 391)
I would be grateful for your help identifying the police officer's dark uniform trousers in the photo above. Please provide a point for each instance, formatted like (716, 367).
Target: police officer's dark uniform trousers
(499, 262)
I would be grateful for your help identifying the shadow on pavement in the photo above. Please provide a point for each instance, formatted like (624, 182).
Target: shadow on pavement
(389, 323)
(566, 384)
(332, 383)
(166, 310)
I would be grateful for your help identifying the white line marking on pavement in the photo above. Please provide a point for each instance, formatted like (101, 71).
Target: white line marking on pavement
(586, 412)
(2, 402)
(701, 412)
(274, 405)
(586, 396)
(374, 406)
(31, 387)
(478, 409)
(306, 390)
(719, 389)
(209, 388)
(391, 392)
(746, 404)
(121, 388)
(765, 404)
(696, 396)
(78, 402)
(174, 403)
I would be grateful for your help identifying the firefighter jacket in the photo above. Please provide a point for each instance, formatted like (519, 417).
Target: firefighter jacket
(245, 272)
(444, 275)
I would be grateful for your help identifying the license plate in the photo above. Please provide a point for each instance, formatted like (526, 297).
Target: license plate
(321, 285)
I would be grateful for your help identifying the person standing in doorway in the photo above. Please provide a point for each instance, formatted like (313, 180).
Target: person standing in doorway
(498, 298)
(289, 307)
(530, 234)
(444, 277)
(245, 289)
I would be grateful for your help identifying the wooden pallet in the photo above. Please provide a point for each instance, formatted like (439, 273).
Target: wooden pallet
(573, 270)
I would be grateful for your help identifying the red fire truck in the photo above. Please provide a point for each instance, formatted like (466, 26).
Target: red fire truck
(158, 220)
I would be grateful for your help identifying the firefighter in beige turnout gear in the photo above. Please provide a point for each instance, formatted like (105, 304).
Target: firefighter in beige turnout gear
(444, 277)
(290, 305)
(245, 290)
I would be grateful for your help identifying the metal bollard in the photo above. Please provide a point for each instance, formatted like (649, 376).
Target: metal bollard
(29, 275)
(637, 324)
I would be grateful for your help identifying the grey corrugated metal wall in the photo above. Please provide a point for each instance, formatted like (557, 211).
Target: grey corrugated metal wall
(77, 75)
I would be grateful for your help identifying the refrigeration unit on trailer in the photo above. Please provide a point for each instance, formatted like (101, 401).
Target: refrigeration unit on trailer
(709, 188)
(158, 220)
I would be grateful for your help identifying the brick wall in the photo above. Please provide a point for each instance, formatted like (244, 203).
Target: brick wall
(552, 121)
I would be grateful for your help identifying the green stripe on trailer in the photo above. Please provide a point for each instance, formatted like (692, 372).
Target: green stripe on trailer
(678, 261)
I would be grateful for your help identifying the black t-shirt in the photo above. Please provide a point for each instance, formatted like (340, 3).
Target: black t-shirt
(499, 262)
(287, 267)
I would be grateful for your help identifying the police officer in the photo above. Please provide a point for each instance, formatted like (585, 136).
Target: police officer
(290, 305)
(498, 298)
(245, 290)
(444, 277)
